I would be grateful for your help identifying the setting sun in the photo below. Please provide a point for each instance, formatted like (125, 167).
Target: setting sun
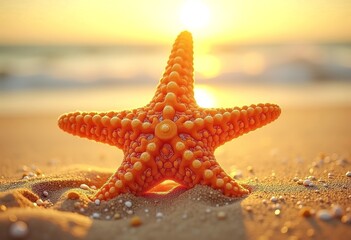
(195, 15)
(156, 21)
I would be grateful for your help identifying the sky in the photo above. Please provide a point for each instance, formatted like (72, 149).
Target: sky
(159, 21)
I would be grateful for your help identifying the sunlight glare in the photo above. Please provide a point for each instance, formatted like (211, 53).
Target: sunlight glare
(204, 96)
(195, 15)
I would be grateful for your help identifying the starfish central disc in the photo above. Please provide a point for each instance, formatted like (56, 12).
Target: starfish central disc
(166, 129)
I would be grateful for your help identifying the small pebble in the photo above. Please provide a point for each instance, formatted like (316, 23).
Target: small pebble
(337, 211)
(128, 204)
(135, 221)
(45, 194)
(307, 183)
(264, 201)
(117, 216)
(306, 212)
(19, 229)
(330, 175)
(274, 199)
(130, 211)
(312, 178)
(159, 215)
(248, 208)
(146, 210)
(39, 202)
(96, 215)
(25, 168)
(324, 215)
(3, 208)
(281, 198)
(284, 229)
(97, 202)
(84, 186)
(277, 212)
(346, 219)
(295, 179)
(32, 174)
(238, 175)
(348, 174)
(221, 215)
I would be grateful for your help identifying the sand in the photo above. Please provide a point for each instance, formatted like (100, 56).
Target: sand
(310, 141)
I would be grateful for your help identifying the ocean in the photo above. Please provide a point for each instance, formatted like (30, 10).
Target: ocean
(35, 67)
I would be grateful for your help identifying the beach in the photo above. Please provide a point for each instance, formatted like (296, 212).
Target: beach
(47, 175)
(249, 111)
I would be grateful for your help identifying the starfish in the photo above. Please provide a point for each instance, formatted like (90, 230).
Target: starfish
(171, 138)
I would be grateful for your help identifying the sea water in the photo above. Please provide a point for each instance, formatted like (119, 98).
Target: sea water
(32, 67)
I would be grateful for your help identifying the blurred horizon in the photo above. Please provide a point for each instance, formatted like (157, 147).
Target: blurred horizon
(80, 22)
(32, 67)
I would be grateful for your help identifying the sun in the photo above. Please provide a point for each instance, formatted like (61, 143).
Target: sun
(194, 15)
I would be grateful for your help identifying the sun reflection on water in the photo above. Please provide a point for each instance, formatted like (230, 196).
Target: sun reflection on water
(207, 65)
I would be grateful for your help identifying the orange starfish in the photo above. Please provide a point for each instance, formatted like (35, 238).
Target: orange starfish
(171, 137)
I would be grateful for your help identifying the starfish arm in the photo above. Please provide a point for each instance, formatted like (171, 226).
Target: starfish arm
(137, 173)
(111, 128)
(177, 81)
(120, 182)
(200, 167)
(214, 176)
(224, 124)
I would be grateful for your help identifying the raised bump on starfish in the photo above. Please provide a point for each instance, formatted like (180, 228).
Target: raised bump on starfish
(171, 137)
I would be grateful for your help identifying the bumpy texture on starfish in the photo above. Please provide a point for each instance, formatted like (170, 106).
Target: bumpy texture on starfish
(171, 137)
